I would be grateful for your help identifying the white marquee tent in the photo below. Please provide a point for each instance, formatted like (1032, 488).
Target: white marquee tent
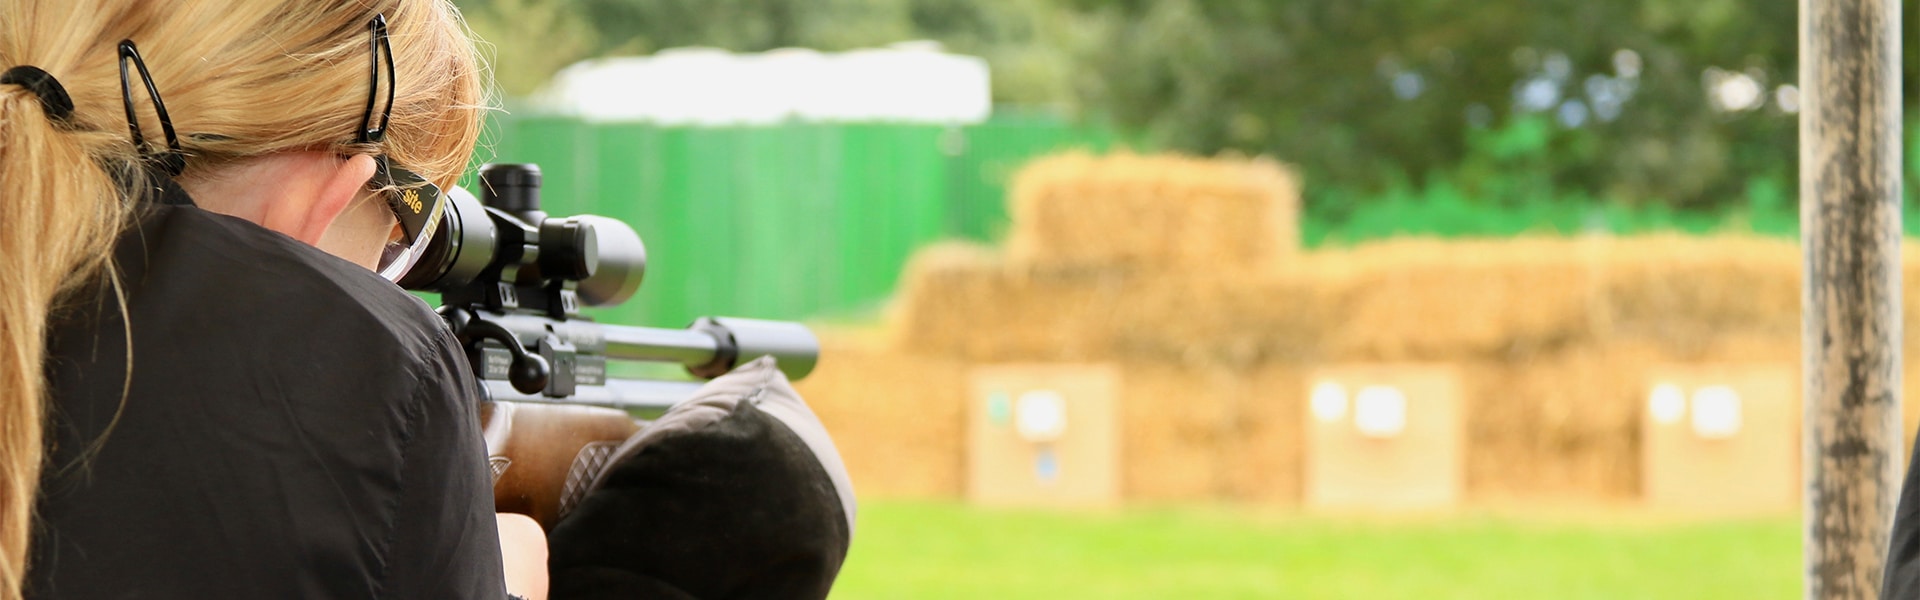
(911, 82)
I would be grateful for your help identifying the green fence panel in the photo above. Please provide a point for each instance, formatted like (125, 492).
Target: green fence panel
(893, 181)
(559, 146)
(782, 221)
(983, 159)
(627, 185)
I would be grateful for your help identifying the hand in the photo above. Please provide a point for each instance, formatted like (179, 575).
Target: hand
(523, 550)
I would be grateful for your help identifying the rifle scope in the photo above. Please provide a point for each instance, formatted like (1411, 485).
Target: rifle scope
(508, 272)
(504, 237)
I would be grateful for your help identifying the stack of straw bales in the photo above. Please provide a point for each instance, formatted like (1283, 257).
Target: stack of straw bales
(1153, 213)
(1185, 273)
(971, 303)
(1555, 337)
(1175, 268)
(1197, 433)
(1161, 258)
(895, 417)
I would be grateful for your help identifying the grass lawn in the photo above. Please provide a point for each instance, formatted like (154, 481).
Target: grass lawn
(947, 550)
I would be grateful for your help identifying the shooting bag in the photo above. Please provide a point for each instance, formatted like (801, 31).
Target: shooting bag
(735, 493)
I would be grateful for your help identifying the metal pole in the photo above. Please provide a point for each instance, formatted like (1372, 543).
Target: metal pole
(1850, 300)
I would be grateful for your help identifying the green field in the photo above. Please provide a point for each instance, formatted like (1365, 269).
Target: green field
(942, 550)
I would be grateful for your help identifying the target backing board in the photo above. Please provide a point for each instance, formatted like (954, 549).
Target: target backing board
(1384, 437)
(1721, 439)
(1044, 435)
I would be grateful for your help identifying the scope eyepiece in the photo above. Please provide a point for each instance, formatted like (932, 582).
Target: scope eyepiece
(461, 248)
(503, 238)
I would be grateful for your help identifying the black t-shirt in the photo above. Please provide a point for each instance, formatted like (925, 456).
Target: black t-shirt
(292, 426)
(1902, 575)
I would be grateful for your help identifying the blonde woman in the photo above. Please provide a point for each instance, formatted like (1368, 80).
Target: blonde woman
(207, 390)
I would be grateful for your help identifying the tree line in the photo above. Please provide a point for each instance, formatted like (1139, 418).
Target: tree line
(1686, 105)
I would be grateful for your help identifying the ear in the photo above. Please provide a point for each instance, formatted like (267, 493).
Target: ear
(336, 191)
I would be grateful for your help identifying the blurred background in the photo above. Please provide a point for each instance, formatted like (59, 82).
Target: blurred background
(1230, 298)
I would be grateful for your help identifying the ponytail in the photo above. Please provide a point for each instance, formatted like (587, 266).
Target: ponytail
(59, 216)
(60, 210)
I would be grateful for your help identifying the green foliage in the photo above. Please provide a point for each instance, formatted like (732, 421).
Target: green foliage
(1501, 189)
(524, 42)
(1355, 91)
(1386, 105)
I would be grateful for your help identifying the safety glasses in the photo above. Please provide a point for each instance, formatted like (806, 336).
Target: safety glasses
(417, 204)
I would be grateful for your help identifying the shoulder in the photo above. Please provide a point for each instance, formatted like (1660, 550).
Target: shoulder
(263, 373)
(201, 272)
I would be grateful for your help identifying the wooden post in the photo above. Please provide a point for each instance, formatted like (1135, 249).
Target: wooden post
(1851, 330)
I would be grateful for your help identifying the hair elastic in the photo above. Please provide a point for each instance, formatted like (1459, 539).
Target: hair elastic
(53, 96)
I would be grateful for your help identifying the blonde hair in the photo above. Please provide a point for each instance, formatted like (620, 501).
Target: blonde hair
(240, 79)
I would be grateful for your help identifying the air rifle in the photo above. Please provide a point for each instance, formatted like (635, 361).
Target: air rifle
(512, 281)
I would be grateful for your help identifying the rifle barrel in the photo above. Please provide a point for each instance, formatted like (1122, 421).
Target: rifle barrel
(710, 347)
(684, 346)
(623, 342)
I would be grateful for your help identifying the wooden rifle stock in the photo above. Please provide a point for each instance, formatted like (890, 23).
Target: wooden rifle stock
(544, 456)
(545, 451)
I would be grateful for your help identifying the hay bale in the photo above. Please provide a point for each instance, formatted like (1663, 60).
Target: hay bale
(1559, 425)
(1567, 423)
(1197, 433)
(1910, 300)
(1555, 338)
(1222, 320)
(1557, 334)
(965, 302)
(1685, 293)
(895, 418)
(1264, 462)
(1431, 300)
(1169, 426)
(1160, 213)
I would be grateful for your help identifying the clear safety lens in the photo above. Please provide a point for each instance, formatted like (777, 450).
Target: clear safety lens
(418, 206)
(399, 256)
